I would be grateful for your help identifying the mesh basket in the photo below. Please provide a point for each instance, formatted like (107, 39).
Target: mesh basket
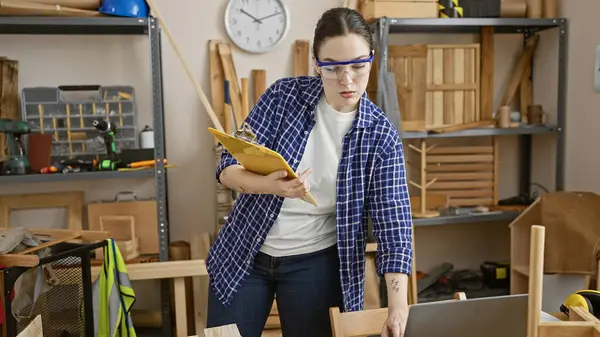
(66, 307)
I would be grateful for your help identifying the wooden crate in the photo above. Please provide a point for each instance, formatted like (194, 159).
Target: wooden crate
(374, 9)
(468, 175)
(453, 77)
(437, 85)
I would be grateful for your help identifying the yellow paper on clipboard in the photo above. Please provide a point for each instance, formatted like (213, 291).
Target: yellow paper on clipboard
(256, 158)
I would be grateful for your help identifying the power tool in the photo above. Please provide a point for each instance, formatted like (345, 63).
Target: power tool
(108, 131)
(17, 162)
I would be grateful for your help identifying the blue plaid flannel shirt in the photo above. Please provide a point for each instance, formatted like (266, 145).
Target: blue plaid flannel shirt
(371, 182)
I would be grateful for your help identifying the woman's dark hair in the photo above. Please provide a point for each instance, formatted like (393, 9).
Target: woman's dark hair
(340, 21)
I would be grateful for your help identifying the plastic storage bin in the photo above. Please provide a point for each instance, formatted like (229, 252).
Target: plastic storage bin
(67, 112)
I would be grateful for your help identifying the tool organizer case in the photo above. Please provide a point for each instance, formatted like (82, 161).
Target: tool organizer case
(67, 112)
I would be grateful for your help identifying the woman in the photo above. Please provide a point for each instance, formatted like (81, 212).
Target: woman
(350, 158)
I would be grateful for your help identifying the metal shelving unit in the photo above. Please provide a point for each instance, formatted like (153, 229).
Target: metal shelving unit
(149, 28)
(383, 27)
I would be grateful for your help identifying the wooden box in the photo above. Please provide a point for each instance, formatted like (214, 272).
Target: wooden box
(374, 9)
(437, 85)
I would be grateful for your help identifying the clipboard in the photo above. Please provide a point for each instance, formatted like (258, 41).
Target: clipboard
(256, 158)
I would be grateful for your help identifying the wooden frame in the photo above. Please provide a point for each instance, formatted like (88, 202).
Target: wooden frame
(73, 201)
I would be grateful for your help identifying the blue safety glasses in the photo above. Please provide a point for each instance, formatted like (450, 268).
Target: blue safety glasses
(355, 68)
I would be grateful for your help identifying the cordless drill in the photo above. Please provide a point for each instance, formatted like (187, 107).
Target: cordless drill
(17, 162)
(108, 131)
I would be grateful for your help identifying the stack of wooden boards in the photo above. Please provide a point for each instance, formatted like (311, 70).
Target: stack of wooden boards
(9, 96)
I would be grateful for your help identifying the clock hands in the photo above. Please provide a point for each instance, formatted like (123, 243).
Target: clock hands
(252, 17)
(268, 16)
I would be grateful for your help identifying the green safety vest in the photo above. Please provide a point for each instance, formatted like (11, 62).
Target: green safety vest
(113, 296)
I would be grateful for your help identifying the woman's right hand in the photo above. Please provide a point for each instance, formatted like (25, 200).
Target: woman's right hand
(277, 183)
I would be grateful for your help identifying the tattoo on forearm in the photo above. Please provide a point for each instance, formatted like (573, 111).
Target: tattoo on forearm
(395, 285)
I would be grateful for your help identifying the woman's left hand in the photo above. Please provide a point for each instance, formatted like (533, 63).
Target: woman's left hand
(395, 324)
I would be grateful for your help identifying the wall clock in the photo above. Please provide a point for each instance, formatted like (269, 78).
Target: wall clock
(256, 26)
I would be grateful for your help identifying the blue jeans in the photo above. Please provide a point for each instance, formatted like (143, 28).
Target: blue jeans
(305, 285)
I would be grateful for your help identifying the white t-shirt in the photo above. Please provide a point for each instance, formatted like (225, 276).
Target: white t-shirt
(301, 227)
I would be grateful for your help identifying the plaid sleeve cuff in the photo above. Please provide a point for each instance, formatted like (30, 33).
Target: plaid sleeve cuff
(395, 260)
(226, 160)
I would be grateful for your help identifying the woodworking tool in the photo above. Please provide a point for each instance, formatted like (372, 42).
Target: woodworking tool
(17, 162)
(108, 130)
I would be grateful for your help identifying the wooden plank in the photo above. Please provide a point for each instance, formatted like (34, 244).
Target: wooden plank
(301, 56)
(475, 158)
(9, 96)
(462, 176)
(161, 270)
(496, 142)
(517, 73)
(180, 307)
(448, 74)
(487, 72)
(461, 150)
(230, 330)
(216, 81)
(244, 94)
(234, 86)
(48, 244)
(465, 126)
(199, 247)
(460, 185)
(458, 99)
(459, 167)
(15, 260)
(526, 92)
(259, 79)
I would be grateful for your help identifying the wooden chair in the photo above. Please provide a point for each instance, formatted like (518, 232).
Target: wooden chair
(362, 323)
(579, 323)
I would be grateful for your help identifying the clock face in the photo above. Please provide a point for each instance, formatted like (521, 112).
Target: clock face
(256, 26)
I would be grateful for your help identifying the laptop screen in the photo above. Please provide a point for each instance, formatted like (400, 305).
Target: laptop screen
(500, 316)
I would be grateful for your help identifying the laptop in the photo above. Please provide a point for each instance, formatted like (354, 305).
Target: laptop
(499, 316)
